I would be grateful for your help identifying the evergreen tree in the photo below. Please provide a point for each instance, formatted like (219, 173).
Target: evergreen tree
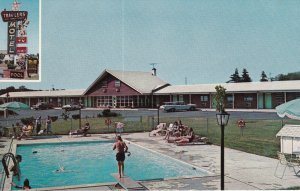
(235, 78)
(245, 76)
(263, 76)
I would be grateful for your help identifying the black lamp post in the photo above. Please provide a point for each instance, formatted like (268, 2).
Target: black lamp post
(222, 119)
(157, 105)
(80, 103)
(7, 96)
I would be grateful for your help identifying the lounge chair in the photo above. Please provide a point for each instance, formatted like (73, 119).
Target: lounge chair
(196, 141)
(283, 161)
(82, 131)
(160, 129)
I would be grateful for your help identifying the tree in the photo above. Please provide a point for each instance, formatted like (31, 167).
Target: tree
(289, 76)
(2, 56)
(10, 89)
(263, 76)
(220, 98)
(22, 87)
(235, 78)
(245, 76)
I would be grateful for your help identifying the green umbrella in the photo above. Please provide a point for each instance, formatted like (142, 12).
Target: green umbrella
(290, 109)
(14, 106)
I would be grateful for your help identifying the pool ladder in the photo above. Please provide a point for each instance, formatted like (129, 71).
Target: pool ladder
(5, 161)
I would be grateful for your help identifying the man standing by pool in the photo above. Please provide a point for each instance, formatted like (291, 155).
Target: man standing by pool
(120, 156)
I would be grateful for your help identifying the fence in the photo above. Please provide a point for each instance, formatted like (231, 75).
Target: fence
(258, 136)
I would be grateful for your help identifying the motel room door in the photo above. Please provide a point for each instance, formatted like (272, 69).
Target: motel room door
(260, 101)
(264, 101)
(268, 101)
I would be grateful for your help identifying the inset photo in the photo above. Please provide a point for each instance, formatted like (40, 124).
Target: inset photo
(20, 41)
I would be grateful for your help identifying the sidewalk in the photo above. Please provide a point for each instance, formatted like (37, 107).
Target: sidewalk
(243, 171)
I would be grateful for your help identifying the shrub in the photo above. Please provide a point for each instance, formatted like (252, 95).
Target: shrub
(108, 113)
(99, 115)
(76, 116)
(11, 66)
(54, 118)
(28, 120)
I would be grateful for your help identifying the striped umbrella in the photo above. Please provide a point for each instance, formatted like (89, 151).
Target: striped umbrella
(290, 109)
(14, 106)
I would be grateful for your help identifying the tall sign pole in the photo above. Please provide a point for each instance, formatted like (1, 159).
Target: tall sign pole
(17, 24)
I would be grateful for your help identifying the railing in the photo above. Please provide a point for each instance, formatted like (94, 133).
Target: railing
(2, 172)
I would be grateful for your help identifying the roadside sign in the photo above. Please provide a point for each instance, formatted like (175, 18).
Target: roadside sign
(8, 16)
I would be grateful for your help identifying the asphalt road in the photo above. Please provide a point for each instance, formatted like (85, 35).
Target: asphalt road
(137, 113)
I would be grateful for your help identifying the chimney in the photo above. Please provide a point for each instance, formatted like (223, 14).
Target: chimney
(153, 71)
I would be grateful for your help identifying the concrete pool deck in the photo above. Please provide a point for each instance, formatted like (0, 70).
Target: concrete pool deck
(243, 171)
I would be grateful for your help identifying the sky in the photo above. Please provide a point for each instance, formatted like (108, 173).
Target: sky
(32, 6)
(192, 41)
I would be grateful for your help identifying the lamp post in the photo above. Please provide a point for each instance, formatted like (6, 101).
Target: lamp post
(222, 119)
(7, 96)
(80, 103)
(157, 105)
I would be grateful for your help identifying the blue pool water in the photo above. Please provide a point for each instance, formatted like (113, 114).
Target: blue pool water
(92, 163)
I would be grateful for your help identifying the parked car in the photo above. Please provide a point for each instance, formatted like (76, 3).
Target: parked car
(177, 106)
(42, 105)
(72, 106)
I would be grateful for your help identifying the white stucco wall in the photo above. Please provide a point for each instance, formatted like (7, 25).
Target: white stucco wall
(290, 144)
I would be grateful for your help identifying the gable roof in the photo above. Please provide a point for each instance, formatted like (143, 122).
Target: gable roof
(142, 82)
(274, 86)
(289, 131)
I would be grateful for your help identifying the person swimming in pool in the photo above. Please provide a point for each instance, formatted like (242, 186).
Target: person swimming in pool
(121, 148)
(26, 185)
(62, 169)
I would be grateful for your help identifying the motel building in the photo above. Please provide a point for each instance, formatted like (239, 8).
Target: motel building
(135, 89)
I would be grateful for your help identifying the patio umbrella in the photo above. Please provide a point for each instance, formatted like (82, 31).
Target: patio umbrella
(290, 109)
(14, 106)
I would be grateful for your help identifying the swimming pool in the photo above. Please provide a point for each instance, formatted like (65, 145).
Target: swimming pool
(93, 162)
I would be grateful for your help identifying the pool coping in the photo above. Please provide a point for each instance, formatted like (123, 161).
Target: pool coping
(7, 185)
(194, 166)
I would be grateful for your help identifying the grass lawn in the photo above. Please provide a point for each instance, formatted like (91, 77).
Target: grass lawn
(258, 137)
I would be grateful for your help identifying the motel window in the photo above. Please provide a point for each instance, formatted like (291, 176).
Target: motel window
(104, 84)
(180, 98)
(248, 98)
(230, 98)
(204, 98)
(117, 83)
